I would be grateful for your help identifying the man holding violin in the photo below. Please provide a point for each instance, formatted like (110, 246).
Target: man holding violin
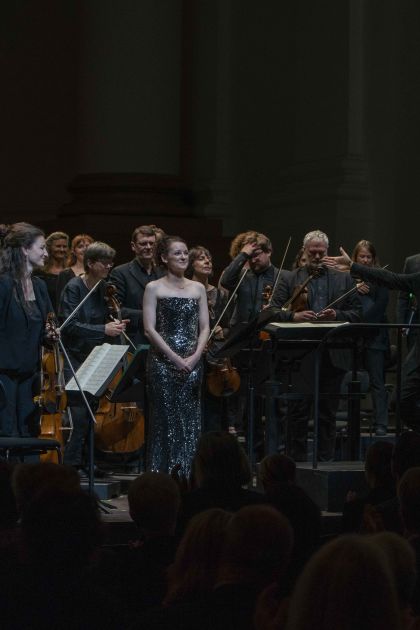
(253, 292)
(311, 293)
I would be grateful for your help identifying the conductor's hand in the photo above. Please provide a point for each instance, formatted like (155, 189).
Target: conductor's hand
(304, 316)
(340, 263)
(115, 328)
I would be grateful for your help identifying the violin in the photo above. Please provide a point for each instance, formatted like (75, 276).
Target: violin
(222, 379)
(298, 301)
(266, 295)
(52, 399)
(119, 426)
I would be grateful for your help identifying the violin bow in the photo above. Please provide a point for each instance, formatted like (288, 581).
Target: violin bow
(73, 313)
(244, 272)
(279, 271)
(349, 292)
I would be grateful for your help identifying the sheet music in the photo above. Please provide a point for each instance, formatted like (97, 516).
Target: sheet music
(98, 369)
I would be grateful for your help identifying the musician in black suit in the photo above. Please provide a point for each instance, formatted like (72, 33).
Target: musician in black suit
(131, 279)
(24, 306)
(407, 307)
(326, 286)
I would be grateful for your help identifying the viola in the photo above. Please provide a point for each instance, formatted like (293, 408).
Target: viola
(222, 378)
(52, 399)
(298, 301)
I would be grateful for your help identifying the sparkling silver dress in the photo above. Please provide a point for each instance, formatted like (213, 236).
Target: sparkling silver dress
(174, 396)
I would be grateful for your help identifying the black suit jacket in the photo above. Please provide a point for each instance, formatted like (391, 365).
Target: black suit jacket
(348, 310)
(411, 265)
(130, 281)
(17, 354)
(408, 282)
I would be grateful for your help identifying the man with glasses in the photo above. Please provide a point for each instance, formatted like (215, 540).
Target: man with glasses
(131, 279)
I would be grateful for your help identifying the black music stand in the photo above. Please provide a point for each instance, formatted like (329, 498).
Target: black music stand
(244, 337)
(130, 387)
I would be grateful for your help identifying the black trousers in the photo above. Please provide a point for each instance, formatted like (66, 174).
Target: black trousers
(73, 452)
(19, 415)
(410, 388)
(298, 415)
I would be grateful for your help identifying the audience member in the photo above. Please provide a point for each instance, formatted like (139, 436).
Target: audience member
(61, 531)
(136, 575)
(406, 455)
(194, 571)
(30, 479)
(277, 475)
(220, 468)
(409, 498)
(380, 481)
(402, 562)
(256, 552)
(346, 585)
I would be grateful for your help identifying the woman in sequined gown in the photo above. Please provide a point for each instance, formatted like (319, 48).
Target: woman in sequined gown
(176, 322)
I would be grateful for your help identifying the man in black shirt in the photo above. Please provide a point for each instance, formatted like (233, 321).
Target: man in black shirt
(252, 295)
(256, 256)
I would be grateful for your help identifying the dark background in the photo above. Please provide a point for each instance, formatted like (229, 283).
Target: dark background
(209, 117)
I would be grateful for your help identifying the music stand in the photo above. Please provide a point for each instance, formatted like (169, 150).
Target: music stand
(243, 337)
(130, 387)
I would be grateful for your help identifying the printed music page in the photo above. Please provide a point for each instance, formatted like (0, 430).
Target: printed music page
(98, 369)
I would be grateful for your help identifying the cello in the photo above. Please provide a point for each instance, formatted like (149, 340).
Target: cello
(119, 426)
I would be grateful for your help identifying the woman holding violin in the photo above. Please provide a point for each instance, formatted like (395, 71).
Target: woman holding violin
(88, 328)
(220, 378)
(24, 306)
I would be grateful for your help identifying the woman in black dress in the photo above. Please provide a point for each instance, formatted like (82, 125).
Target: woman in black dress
(57, 245)
(24, 306)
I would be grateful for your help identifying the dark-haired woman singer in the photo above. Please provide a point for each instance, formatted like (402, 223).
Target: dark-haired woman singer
(24, 306)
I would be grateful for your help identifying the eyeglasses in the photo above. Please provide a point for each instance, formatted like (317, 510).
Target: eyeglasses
(106, 263)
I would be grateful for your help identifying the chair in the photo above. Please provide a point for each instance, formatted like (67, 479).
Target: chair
(23, 446)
